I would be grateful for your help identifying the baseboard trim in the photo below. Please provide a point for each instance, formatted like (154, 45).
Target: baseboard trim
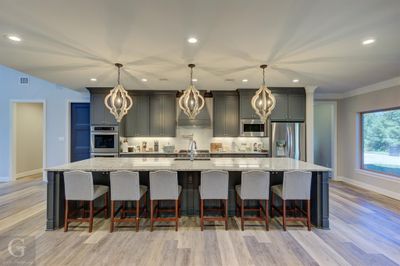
(4, 179)
(369, 187)
(28, 173)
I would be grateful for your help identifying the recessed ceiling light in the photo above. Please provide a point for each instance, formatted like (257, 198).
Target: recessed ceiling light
(295, 81)
(194, 80)
(192, 40)
(144, 80)
(368, 41)
(244, 80)
(93, 79)
(14, 38)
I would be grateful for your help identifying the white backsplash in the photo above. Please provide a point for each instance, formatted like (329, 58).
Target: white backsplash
(203, 137)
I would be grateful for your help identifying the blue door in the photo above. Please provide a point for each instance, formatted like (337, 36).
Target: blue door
(80, 131)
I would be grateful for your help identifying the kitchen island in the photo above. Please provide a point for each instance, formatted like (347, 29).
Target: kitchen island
(189, 179)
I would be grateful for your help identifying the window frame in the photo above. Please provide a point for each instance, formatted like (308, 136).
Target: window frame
(361, 150)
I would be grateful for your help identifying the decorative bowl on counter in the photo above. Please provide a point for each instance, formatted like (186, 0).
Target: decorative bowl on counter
(169, 148)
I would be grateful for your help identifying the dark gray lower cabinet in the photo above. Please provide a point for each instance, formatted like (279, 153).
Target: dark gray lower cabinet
(163, 115)
(226, 114)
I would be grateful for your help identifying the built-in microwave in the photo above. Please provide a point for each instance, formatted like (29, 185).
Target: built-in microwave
(104, 139)
(253, 128)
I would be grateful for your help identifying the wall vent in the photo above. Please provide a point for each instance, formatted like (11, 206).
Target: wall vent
(23, 80)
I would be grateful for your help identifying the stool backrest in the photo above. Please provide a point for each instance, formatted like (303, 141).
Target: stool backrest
(296, 185)
(78, 185)
(125, 185)
(164, 185)
(214, 185)
(255, 185)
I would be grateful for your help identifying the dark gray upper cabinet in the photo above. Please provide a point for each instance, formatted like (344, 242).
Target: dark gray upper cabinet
(99, 114)
(226, 114)
(290, 105)
(296, 107)
(280, 112)
(246, 110)
(163, 115)
(136, 123)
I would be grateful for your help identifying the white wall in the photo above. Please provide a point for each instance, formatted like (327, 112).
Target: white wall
(348, 140)
(56, 100)
(28, 138)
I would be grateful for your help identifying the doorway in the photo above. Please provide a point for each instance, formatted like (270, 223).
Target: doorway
(325, 135)
(80, 132)
(28, 140)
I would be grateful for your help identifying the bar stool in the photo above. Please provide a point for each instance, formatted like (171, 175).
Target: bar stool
(214, 186)
(296, 186)
(79, 187)
(125, 187)
(255, 186)
(164, 186)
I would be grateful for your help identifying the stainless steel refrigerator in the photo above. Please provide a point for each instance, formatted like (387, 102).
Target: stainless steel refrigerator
(288, 140)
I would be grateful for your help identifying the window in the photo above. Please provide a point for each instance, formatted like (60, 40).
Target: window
(380, 141)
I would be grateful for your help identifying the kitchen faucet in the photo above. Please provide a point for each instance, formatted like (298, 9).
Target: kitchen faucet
(192, 149)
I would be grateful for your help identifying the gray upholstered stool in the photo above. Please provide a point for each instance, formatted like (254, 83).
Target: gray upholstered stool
(164, 186)
(214, 186)
(296, 186)
(125, 187)
(255, 186)
(79, 187)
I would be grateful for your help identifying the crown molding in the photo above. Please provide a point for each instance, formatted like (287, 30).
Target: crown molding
(373, 87)
(363, 90)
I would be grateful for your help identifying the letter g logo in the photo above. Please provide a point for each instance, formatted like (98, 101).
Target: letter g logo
(16, 247)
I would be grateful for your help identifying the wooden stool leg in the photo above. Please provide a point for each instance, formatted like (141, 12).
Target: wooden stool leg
(308, 215)
(202, 214)
(66, 216)
(266, 216)
(272, 205)
(242, 215)
(83, 208)
(176, 214)
(226, 214)
(91, 216)
(137, 215)
(179, 206)
(106, 205)
(284, 214)
(151, 215)
(112, 216)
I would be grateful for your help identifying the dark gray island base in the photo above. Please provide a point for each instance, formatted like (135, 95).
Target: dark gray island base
(189, 179)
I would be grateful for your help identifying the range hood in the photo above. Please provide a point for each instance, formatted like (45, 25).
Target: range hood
(202, 119)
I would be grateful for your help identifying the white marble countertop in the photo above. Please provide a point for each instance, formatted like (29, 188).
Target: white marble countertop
(227, 164)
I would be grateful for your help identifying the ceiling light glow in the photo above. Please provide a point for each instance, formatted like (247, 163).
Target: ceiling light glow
(295, 81)
(14, 38)
(144, 80)
(192, 40)
(245, 80)
(368, 41)
(194, 80)
(93, 79)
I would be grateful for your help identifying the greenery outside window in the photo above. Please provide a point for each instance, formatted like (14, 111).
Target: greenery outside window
(380, 141)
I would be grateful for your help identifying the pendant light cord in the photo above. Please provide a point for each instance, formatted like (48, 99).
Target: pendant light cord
(263, 76)
(119, 75)
(191, 75)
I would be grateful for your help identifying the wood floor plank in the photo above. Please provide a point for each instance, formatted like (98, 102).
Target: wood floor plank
(364, 230)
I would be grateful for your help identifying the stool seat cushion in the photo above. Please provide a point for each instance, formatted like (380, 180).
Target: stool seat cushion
(277, 189)
(99, 190)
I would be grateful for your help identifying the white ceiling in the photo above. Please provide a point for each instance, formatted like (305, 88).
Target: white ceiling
(316, 41)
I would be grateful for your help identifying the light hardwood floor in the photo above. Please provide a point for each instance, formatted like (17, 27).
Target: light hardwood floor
(365, 230)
